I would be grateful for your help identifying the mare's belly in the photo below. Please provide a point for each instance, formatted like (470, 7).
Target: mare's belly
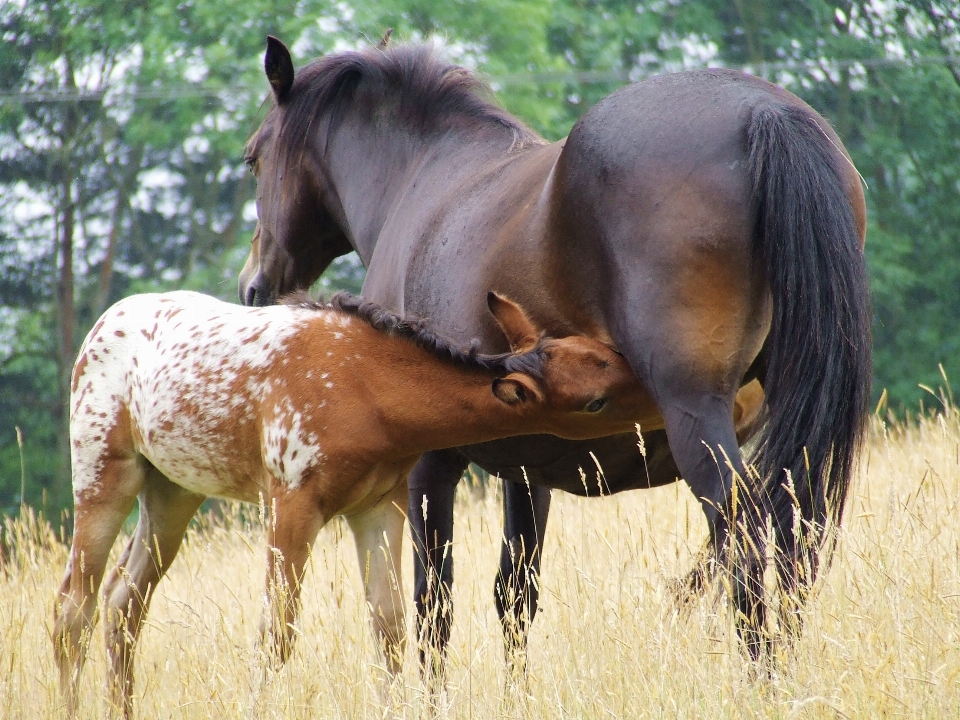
(575, 465)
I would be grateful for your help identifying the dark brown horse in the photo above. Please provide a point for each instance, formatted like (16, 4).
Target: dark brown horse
(709, 224)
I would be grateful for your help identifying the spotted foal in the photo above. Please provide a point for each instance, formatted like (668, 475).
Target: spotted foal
(314, 410)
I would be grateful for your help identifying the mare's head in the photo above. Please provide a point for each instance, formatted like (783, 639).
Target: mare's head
(297, 234)
(581, 387)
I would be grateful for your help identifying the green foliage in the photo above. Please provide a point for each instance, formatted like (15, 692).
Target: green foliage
(28, 400)
(135, 152)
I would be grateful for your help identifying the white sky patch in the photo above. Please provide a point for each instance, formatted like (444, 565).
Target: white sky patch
(858, 77)
(345, 10)
(328, 25)
(196, 147)
(250, 211)
(117, 100)
(59, 68)
(302, 46)
(37, 139)
(220, 222)
(155, 192)
(894, 48)
(884, 9)
(234, 171)
(9, 319)
(220, 121)
(28, 206)
(696, 51)
(470, 55)
(195, 67)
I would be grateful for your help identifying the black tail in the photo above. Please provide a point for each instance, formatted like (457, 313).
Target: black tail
(817, 378)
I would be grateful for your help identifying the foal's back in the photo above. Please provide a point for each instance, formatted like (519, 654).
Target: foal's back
(181, 379)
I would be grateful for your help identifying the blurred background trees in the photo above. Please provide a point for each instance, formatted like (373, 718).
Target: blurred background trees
(122, 127)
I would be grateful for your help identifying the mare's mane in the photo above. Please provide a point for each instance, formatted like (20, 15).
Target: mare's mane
(415, 330)
(431, 95)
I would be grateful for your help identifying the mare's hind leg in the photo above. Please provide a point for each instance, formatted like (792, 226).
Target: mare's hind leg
(378, 533)
(747, 419)
(165, 511)
(100, 507)
(704, 444)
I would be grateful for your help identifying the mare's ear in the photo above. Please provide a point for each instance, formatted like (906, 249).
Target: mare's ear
(520, 332)
(516, 389)
(385, 40)
(279, 68)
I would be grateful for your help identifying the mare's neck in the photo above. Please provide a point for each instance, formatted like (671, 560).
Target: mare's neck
(373, 165)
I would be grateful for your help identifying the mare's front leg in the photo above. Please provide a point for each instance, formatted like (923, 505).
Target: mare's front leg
(378, 533)
(433, 483)
(295, 520)
(517, 587)
(165, 511)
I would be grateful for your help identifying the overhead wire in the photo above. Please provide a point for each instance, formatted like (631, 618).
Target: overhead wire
(580, 77)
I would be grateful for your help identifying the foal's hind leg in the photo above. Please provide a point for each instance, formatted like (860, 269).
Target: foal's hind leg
(101, 506)
(378, 533)
(165, 511)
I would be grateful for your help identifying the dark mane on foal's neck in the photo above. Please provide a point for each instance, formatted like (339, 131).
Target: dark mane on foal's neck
(416, 331)
(426, 93)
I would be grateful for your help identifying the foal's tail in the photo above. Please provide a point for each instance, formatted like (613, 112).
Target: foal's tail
(817, 378)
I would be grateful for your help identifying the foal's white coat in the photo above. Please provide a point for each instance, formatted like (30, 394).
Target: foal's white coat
(178, 397)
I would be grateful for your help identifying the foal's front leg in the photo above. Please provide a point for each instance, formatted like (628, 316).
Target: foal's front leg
(378, 533)
(295, 520)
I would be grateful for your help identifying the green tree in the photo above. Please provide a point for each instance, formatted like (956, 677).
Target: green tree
(122, 128)
(122, 170)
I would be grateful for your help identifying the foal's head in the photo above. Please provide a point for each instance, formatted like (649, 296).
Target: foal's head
(586, 388)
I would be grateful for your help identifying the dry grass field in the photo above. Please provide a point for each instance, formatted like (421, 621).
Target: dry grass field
(882, 637)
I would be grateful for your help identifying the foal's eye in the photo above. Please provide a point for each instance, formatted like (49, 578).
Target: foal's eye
(251, 163)
(595, 406)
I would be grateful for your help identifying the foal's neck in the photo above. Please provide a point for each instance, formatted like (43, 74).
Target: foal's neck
(427, 403)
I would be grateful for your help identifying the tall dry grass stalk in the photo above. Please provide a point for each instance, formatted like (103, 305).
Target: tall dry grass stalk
(882, 636)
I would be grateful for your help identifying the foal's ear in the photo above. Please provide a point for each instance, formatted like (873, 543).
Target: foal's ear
(516, 389)
(279, 68)
(520, 332)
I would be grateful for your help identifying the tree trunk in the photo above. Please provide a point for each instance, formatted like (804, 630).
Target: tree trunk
(66, 309)
(127, 182)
